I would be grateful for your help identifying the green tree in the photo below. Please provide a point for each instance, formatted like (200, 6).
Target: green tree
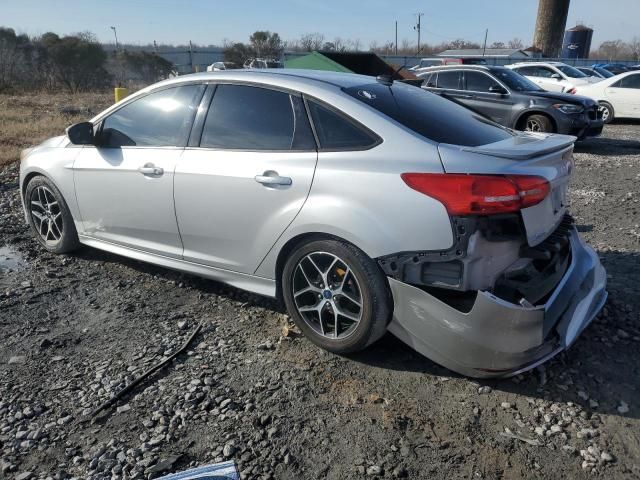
(266, 44)
(237, 53)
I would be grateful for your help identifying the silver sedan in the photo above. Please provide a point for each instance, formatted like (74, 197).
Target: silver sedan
(366, 205)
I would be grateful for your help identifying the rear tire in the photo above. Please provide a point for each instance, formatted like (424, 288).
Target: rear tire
(607, 111)
(49, 216)
(336, 295)
(538, 123)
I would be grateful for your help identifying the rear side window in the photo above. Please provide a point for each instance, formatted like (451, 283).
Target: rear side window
(160, 119)
(430, 115)
(337, 132)
(478, 81)
(632, 81)
(449, 80)
(244, 117)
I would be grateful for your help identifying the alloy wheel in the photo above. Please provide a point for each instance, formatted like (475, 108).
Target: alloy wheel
(46, 214)
(327, 295)
(533, 125)
(605, 112)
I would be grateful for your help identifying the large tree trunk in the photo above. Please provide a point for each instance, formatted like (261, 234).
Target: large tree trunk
(552, 19)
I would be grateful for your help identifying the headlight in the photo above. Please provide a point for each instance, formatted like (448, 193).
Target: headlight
(568, 108)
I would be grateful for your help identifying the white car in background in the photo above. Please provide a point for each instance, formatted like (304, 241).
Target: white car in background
(618, 96)
(553, 76)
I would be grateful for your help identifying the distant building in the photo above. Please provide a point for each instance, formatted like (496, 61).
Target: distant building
(511, 53)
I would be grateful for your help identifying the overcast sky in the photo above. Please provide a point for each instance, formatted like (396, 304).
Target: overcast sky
(211, 22)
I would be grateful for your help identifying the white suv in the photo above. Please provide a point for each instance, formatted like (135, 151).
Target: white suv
(553, 76)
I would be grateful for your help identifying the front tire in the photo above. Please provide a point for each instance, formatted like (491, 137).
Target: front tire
(49, 216)
(538, 123)
(336, 295)
(606, 109)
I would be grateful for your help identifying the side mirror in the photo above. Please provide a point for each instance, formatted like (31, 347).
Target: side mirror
(81, 133)
(498, 89)
(557, 76)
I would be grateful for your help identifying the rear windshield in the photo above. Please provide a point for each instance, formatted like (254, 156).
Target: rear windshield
(430, 115)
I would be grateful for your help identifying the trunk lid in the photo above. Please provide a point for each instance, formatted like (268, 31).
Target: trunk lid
(545, 155)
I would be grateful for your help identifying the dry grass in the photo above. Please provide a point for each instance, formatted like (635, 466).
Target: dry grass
(30, 118)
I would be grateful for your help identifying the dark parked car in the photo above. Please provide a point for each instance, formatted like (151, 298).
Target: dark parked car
(614, 68)
(508, 98)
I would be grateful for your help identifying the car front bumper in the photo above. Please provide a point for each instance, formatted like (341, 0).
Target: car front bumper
(581, 125)
(498, 338)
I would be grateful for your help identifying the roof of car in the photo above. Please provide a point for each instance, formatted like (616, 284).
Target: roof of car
(520, 64)
(273, 75)
(463, 67)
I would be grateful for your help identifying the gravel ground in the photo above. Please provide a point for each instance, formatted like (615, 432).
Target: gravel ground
(75, 329)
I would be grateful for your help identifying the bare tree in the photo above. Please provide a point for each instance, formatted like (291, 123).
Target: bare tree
(613, 50)
(516, 43)
(311, 41)
(497, 45)
(355, 44)
(634, 48)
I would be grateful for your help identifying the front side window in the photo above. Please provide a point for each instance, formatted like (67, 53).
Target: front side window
(450, 80)
(243, 117)
(479, 82)
(337, 132)
(160, 119)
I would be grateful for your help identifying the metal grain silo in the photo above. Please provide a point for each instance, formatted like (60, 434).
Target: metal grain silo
(577, 42)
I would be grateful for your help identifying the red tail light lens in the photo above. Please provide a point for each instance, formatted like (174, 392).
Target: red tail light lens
(480, 194)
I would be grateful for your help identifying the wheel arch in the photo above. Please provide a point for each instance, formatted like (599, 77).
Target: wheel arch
(290, 246)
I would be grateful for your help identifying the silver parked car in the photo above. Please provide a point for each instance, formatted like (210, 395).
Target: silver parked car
(366, 205)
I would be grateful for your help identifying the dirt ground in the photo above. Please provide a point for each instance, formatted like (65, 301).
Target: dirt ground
(75, 329)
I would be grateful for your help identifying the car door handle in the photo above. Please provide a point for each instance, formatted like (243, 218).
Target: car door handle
(151, 169)
(272, 178)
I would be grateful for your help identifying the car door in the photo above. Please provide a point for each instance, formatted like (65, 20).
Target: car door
(624, 95)
(497, 106)
(244, 179)
(124, 185)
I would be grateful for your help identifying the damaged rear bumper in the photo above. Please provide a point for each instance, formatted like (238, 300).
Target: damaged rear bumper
(497, 338)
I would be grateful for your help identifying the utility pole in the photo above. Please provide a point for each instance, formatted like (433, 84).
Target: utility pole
(115, 35)
(417, 28)
(396, 37)
(484, 46)
(191, 55)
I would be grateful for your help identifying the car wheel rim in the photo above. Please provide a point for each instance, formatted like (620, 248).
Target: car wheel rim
(533, 125)
(46, 214)
(327, 295)
(605, 113)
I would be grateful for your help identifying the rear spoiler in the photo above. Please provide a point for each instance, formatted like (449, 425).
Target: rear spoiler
(527, 146)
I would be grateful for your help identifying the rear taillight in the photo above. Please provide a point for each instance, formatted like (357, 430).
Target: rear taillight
(480, 194)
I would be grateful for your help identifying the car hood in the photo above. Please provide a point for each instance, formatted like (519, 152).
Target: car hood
(565, 98)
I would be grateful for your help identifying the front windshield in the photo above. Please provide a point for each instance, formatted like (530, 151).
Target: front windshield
(570, 71)
(515, 81)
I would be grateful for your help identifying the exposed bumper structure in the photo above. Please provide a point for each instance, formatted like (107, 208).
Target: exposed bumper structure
(497, 338)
